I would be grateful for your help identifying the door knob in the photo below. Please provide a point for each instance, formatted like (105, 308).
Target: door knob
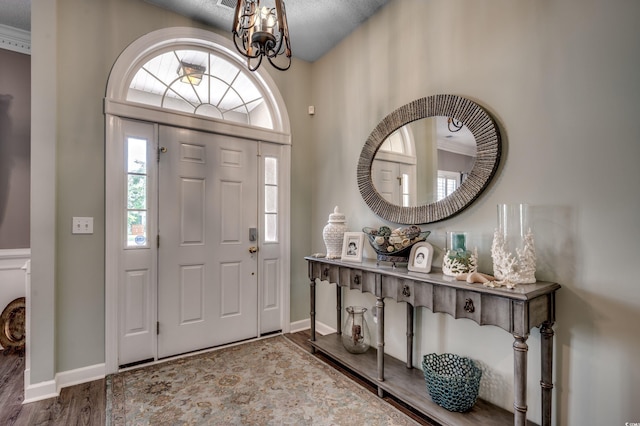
(253, 249)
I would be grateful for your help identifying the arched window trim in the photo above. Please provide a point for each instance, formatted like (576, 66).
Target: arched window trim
(168, 39)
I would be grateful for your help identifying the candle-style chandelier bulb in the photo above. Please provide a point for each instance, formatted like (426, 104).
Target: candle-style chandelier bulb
(261, 32)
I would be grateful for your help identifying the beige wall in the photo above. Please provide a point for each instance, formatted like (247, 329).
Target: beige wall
(90, 37)
(561, 80)
(15, 133)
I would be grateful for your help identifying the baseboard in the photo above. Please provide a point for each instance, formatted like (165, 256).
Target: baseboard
(305, 324)
(324, 329)
(301, 325)
(51, 388)
(80, 375)
(38, 391)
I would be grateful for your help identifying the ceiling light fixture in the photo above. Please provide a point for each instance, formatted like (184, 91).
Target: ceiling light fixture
(191, 73)
(261, 32)
(454, 125)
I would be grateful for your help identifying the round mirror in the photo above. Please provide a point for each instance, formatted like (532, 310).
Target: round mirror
(428, 160)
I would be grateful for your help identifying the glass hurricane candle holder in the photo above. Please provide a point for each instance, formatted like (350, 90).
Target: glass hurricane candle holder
(513, 251)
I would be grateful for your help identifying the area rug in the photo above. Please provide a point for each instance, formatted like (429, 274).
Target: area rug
(266, 382)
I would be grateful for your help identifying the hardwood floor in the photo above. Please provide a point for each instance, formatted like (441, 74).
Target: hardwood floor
(82, 404)
(85, 404)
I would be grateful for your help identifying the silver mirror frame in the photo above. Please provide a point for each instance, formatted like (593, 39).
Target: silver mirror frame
(489, 149)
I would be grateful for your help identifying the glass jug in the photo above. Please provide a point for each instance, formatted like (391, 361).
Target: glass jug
(355, 333)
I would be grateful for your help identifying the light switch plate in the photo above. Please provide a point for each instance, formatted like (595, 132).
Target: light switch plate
(82, 225)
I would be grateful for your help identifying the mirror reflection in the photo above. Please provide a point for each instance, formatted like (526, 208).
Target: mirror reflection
(423, 161)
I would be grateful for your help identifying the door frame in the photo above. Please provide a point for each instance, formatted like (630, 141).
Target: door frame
(117, 108)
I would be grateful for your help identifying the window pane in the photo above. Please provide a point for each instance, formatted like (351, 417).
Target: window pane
(271, 199)
(441, 190)
(451, 186)
(271, 227)
(136, 228)
(223, 84)
(405, 183)
(136, 155)
(137, 192)
(271, 171)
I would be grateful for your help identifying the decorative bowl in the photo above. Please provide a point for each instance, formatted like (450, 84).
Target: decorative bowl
(452, 381)
(394, 245)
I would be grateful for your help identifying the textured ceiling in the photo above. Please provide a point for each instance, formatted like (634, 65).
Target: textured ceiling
(315, 26)
(16, 14)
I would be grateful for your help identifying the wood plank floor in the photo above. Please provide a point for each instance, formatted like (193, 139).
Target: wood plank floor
(85, 404)
(77, 405)
(82, 404)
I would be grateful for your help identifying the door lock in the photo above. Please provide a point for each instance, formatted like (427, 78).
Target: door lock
(253, 249)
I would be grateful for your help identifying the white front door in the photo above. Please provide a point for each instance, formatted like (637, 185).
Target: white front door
(207, 274)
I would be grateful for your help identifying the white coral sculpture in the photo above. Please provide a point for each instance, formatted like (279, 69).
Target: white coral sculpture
(454, 263)
(527, 260)
(510, 269)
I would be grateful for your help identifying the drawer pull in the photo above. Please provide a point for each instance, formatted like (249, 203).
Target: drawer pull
(325, 272)
(356, 280)
(468, 306)
(406, 291)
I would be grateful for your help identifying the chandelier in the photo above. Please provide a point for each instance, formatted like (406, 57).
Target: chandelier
(454, 125)
(261, 32)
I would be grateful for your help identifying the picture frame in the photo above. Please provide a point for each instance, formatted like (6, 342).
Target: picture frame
(421, 257)
(352, 246)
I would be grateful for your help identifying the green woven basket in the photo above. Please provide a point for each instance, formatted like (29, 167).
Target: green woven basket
(452, 381)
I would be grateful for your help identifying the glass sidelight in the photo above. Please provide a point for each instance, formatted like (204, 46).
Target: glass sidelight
(137, 192)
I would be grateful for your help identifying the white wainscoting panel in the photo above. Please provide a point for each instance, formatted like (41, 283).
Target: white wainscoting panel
(12, 276)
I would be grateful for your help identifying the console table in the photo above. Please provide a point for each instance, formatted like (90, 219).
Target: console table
(516, 311)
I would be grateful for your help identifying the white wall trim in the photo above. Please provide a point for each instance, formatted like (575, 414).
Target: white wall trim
(138, 52)
(15, 39)
(305, 324)
(11, 259)
(324, 329)
(51, 388)
(296, 326)
(79, 375)
(38, 391)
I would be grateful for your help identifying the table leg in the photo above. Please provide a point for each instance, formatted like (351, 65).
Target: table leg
(313, 313)
(380, 335)
(546, 383)
(339, 309)
(520, 349)
(409, 335)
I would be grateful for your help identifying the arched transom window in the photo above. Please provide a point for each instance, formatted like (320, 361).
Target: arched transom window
(203, 83)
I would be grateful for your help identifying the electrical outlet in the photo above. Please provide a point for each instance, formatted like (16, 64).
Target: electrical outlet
(82, 225)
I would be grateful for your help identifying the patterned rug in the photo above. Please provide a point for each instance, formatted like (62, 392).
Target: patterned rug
(266, 382)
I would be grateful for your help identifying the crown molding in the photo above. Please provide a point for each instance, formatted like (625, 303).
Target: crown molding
(15, 39)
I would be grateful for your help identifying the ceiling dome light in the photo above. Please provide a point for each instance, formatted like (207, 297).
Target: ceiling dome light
(191, 73)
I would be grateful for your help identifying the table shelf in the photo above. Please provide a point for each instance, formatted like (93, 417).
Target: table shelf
(408, 385)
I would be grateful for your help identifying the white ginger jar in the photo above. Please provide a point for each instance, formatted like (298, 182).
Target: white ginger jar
(333, 234)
